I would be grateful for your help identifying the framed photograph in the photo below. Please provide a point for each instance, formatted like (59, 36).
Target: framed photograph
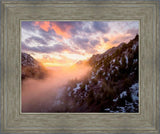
(80, 66)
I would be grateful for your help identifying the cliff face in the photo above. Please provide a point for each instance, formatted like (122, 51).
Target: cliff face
(111, 86)
(31, 68)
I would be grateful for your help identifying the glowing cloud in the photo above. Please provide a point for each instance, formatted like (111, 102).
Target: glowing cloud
(62, 32)
(45, 25)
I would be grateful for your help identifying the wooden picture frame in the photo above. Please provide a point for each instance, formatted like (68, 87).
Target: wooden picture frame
(146, 121)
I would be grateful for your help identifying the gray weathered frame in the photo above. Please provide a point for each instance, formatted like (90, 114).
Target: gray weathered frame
(146, 121)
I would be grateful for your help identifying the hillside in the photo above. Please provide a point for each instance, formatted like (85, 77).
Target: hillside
(111, 85)
(31, 68)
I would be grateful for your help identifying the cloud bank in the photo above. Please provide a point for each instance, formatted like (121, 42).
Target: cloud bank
(74, 40)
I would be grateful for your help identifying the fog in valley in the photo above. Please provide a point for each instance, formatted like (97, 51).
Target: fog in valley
(40, 95)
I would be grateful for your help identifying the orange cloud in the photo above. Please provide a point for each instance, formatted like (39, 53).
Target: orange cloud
(45, 25)
(64, 33)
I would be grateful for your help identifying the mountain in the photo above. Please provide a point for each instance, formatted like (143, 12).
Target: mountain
(31, 68)
(111, 85)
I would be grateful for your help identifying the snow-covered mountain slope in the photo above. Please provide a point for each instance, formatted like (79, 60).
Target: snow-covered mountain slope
(111, 85)
(31, 68)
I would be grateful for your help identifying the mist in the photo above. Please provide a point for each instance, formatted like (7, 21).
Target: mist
(40, 95)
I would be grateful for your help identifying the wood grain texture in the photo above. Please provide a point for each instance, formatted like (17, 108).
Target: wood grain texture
(13, 121)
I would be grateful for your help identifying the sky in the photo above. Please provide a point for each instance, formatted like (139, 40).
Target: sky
(63, 43)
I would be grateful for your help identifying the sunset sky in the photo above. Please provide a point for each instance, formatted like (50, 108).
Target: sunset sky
(64, 43)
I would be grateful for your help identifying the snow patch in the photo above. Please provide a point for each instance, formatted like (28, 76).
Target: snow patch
(126, 59)
(120, 61)
(107, 109)
(93, 77)
(112, 71)
(122, 109)
(134, 61)
(77, 88)
(86, 87)
(115, 100)
(97, 72)
(99, 82)
(131, 73)
(116, 67)
(134, 92)
(123, 94)
(108, 74)
(134, 46)
(101, 68)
